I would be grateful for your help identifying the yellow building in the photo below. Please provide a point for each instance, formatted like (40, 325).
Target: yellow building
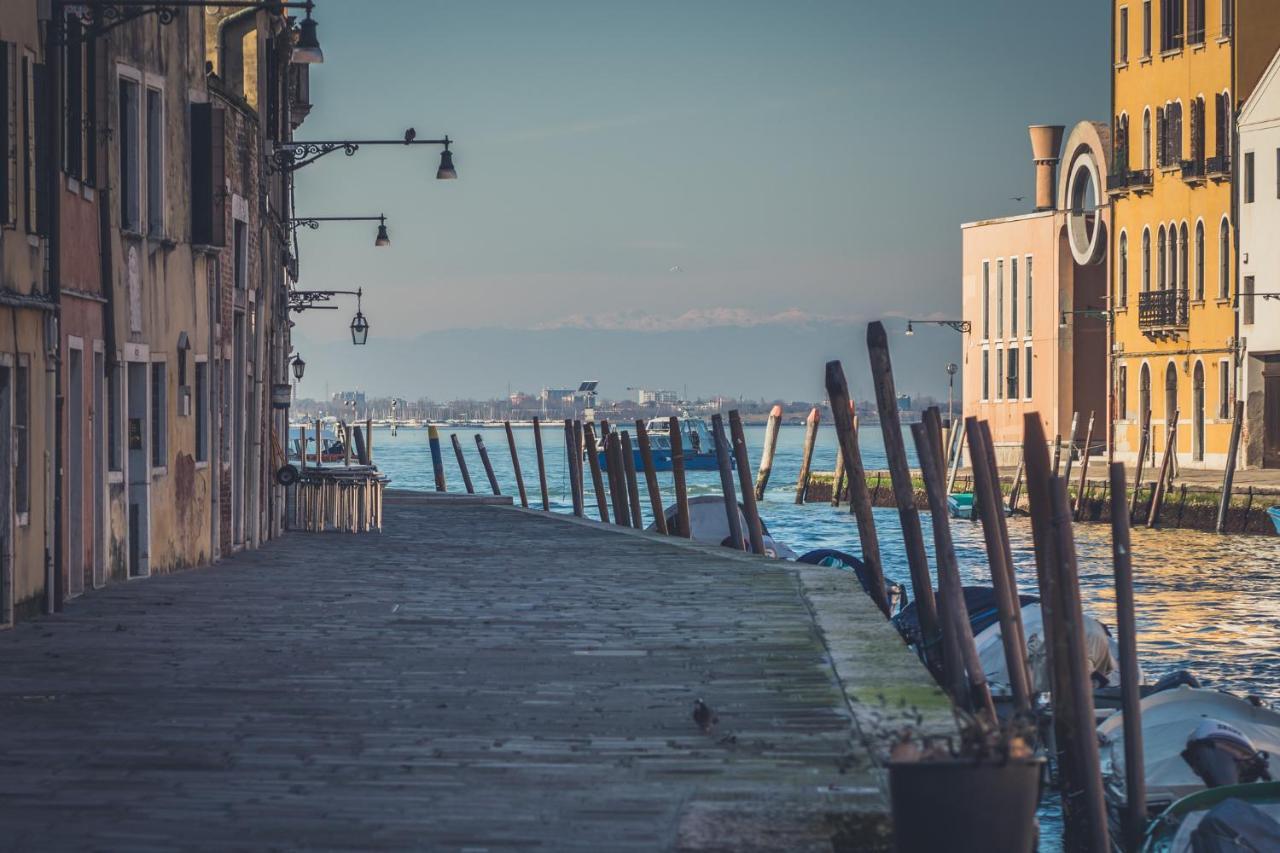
(1182, 69)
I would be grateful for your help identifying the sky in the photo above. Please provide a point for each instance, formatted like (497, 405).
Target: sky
(633, 173)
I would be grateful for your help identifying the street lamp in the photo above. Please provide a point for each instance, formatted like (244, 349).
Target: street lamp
(1094, 313)
(101, 17)
(961, 326)
(359, 330)
(306, 47)
(291, 155)
(303, 300)
(952, 367)
(299, 367)
(313, 222)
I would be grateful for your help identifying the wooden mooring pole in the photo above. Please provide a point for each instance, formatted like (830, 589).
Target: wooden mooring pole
(859, 499)
(683, 526)
(1229, 473)
(724, 461)
(1157, 496)
(806, 459)
(488, 466)
(766, 453)
(1071, 447)
(628, 456)
(437, 458)
(597, 479)
(755, 531)
(900, 474)
(650, 477)
(542, 465)
(837, 478)
(617, 478)
(515, 464)
(462, 463)
(573, 460)
(1084, 467)
(1142, 458)
(1135, 782)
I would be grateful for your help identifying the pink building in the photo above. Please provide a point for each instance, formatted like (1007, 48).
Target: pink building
(1035, 296)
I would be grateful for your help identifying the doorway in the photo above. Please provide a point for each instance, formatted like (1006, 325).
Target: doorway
(98, 459)
(1170, 402)
(6, 493)
(1197, 413)
(75, 470)
(139, 471)
(1271, 413)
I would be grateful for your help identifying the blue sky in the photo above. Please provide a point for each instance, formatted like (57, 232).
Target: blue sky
(642, 168)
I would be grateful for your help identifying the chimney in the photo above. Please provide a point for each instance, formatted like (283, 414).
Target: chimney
(1046, 142)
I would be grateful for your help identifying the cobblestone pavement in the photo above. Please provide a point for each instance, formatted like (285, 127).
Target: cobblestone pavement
(475, 678)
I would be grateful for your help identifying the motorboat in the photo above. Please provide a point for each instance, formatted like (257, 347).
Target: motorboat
(1242, 814)
(709, 523)
(696, 444)
(833, 559)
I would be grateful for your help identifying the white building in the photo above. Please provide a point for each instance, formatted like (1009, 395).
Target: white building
(1258, 183)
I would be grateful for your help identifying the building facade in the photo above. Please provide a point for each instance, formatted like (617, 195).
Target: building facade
(1181, 68)
(1034, 289)
(1258, 200)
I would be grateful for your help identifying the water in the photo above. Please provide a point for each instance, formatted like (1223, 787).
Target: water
(1204, 602)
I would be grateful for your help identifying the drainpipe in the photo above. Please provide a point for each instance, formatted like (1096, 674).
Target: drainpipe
(1237, 350)
(54, 35)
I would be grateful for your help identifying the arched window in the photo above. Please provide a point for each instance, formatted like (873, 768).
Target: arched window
(1170, 399)
(1144, 394)
(1122, 297)
(1199, 292)
(1195, 21)
(1183, 267)
(1146, 138)
(1224, 260)
(1161, 269)
(1173, 256)
(1197, 413)
(1146, 260)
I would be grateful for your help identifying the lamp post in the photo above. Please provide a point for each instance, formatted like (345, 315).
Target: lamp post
(961, 326)
(298, 366)
(951, 369)
(382, 238)
(1094, 313)
(293, 154)
(304, 300)
(97, 18)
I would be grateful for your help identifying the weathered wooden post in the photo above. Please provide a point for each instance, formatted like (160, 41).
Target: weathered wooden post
(1002, 527)
(368, 444)
(1135, 782)
(724, 460)
(755, 531)
(617, 478)
(810, 436)
(837, 478)
(362, 449)
(766, 453)
(515, 464)
(633, 484)
(933, 471)
(650, 477)
(859, 499)
(346, 446)
(1015, 490)
(302, 440)
(1057, 454)
(1229, 473)
(683, 527)
(932, 419)
(462, 463)
(955, 461)
(900, 474)
(1084, 467)
(319, 445)
(1157, 497)
(1071, 446)
(488, 466)
(578, 445)
(987, 497)
(437, 458)
(572, 461)
(542, 465)
(1142, 457)
(597, 479)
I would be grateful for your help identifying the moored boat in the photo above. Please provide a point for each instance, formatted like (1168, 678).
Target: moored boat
(697, 447)
(709, 523)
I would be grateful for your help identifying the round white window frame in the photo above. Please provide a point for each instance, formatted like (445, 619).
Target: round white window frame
(1085, 249)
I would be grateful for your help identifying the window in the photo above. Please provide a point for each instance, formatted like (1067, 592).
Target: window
(1170, 24)
(1224, 390)
(1012, 376)
(159, 415)
(1173, 256)
(22, 436)
(986, 374)
(1122, 393)
(1224, 260)
(1162, 144)
(1124, 35)
(1026, 369)
(1197, 131)
(202, 411)
(1222, 124)
(30, 150)
(1199, 293)
(1122, 294)
(241, 249)
(1146, 29)
(1228, 17)
(72, 96)
(155, 164)
(1000, 298)
(986, 301)
(1278, 173)
(1183, 267)
(1160, 261)
(113, 419)
(1248, 177)
(8, 133)
(1013, 297)
(999, 374)
(130, 157)
(1028, 329)
(1146, 259)
(1195, 21)
(1146, 139)
(1246, 301)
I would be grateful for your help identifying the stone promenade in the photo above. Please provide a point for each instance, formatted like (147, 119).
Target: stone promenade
(475, 678)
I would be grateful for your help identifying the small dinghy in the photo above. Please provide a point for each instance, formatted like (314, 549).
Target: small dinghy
(1100, 648)
(1192, 738)
(709, 523)
(1229, 818)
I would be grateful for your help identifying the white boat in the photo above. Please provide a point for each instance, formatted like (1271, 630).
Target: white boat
(709, 523)
(1169, 718)
(1100, 648)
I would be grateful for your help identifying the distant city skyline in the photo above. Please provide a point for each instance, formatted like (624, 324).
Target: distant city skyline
(670, 169)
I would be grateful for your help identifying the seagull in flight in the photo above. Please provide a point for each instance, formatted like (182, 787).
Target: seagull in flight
(676, 268)
(1017, 198)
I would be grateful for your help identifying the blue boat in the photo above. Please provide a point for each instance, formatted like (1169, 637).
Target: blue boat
(1273, 513)
(695, 440)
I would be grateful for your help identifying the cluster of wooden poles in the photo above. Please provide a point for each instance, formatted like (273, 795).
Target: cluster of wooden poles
(947, 642)
(342, 497)
(616, 485)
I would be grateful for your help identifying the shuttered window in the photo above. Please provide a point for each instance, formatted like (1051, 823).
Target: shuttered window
(8, 134)
(130, 157)
(208, 170)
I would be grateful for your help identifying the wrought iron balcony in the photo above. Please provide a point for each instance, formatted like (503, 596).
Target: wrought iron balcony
(1218, 167)
(1131, 180)
(1162, 309)
(1193, 171)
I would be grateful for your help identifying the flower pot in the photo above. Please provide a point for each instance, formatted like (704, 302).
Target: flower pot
(961, 805)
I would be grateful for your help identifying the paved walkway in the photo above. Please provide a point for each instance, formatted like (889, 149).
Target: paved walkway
(475, 678)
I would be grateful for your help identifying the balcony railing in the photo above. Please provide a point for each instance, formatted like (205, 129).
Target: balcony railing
(1137, 180)
(1162, 309)
(1218, 166)
(1193, 171)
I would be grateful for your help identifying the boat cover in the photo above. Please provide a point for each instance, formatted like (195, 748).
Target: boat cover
(840, 560)
(710, 523)
(1100, 647)
(1168, 718)
(1230, 827)
(980, 601)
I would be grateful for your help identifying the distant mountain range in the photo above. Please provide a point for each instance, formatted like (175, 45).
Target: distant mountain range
(773, 361)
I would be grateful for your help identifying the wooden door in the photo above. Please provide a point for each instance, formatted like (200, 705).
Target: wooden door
(1271, 420)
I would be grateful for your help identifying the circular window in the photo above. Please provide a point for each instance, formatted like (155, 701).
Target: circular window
(1084, 226)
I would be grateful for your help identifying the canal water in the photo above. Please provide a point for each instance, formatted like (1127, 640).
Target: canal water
(1205, 603)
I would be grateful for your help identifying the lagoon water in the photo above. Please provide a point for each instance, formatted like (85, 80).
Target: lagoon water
(1206, 603)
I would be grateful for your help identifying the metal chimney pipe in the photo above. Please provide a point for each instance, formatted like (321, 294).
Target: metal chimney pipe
(1046, 142)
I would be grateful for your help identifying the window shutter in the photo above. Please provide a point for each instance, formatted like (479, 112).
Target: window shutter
(45, 149)
(208, 176)
(6, 129)
(1161, 137)
(218, 150)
